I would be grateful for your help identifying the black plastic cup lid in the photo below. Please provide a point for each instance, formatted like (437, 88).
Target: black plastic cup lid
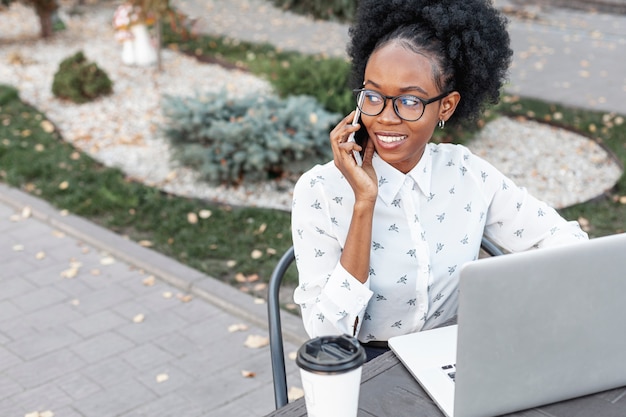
(331, 354)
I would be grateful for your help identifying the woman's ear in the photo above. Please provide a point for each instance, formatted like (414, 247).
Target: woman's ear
(448, 105)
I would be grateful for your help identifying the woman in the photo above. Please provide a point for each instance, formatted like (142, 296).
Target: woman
(379, 247)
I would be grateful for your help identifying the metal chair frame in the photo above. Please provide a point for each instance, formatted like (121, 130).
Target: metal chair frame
(275, 331)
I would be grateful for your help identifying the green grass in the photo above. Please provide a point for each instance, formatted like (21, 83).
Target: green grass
(37, 160)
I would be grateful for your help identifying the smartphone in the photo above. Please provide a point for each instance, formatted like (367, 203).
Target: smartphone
(355, 121)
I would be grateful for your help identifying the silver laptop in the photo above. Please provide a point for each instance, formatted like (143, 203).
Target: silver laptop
(534, 328)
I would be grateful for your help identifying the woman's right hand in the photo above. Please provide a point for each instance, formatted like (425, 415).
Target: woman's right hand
(362, 178)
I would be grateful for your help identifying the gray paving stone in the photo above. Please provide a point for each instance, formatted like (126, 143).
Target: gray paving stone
(14, 287)
(102, 346)
(43, 397)
(8, 310)
(76, 385)
(45, 368)
(147, 356)
(116, 400)
(170, 405)
(39, 299)
(53, 316)
(109, 372)
(102, 299)
(154, 325)
(176, 380)
(98, 322)
(42, 342)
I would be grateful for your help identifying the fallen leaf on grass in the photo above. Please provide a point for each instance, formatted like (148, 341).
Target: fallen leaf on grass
(64, 185)
(139, 318)
(145, 243)
(622, 199)
(162, 378)
(256, 254)
(248, 374)
(255, 341)
(239, 327)
(47, 126)
(231, 263)
(192, 218)
(205, 214)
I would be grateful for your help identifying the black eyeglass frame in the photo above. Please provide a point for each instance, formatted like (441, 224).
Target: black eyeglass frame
(393, 99)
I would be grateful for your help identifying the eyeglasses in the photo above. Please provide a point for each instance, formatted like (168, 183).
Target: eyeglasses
(408, 107)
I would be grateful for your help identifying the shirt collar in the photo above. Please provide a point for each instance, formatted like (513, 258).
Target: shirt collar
(390, 180)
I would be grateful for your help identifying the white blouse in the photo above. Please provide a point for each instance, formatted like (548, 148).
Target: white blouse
(427, 224)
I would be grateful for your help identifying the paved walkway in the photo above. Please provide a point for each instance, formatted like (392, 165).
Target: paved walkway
(562, 55)
(81, 334)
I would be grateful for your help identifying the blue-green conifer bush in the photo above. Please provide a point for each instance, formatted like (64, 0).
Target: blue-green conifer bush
(253, 138)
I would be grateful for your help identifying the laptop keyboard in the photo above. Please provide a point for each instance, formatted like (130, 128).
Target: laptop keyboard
(450, 370)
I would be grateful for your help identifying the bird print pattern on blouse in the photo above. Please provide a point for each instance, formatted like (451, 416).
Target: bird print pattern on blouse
(427, 224)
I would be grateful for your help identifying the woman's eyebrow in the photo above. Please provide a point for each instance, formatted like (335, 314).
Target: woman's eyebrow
(403, 89)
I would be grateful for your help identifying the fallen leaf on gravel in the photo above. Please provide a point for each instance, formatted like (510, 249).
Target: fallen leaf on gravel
(292, 356)
(256, 254)
(15, 218)
(18, 248)
(58, 233)
(259, 301)
(64, 185)
(256, 341)
(107, 261)
(295, 393)
(162, 378)
(26, 212)
(46, 413)
(149, 281)
(192, 218)
(168, 294)
(95, 272)
(75, 302)
(40, 255)
(260, 286)
(139, 318)
(239, 327)
(248, 374)
(253, 278)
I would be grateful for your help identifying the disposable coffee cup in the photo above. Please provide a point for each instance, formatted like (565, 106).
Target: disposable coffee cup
(330, 368)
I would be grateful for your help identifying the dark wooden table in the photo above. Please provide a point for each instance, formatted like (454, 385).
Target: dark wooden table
(388, 389)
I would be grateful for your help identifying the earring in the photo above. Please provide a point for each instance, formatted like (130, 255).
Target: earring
(441, 123)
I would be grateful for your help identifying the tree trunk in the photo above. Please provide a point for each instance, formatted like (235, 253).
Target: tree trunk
(45, 21)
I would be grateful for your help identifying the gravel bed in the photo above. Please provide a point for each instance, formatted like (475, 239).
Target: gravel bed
(122, 130)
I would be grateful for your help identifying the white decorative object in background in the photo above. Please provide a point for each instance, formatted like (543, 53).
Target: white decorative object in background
(132, 31)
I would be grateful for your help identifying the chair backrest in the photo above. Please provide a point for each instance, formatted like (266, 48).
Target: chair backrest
(277, 351)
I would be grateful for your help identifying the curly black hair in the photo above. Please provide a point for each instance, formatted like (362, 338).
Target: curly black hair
(466, 39)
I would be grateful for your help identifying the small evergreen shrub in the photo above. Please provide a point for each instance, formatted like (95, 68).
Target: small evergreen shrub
(80, 81)
(255, 138)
